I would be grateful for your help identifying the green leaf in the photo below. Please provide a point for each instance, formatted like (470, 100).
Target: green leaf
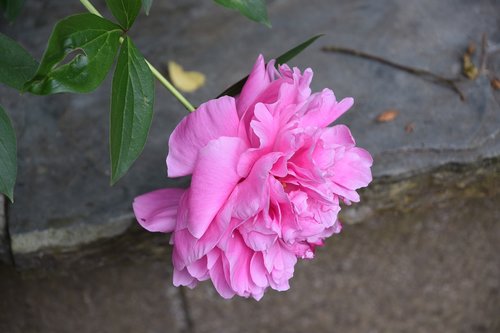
(125, 11)
(11, 8)
(79, 54)
(255, 10)
(16, 65)
(8, 158)
(235, 89)
(131, 109)
(146, 4)
(290, 54)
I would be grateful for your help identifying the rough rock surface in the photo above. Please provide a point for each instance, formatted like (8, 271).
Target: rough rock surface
(118, 298)
(433, 270)
(425, 257)
(101, 289)
(63, 194)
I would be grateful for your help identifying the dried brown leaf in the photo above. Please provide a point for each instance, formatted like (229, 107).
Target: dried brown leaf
(471, 49)
(409, 128)
(495, 83)
(387, 116)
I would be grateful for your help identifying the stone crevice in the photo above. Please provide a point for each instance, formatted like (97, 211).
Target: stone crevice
(6, 254)
(189, 326)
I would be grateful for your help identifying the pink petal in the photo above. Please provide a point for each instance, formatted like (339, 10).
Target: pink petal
(218, 277)
(302, 250)
(345, 193)
(210, 121)
(353, 170)
(264, 130)
(252, 194)
(212, 258)
(188, 249)
(258, 270)
(257, 81)
(324, 109)
(298, 88)
(264, 126)
(280, 264)
(183, 278)
(184, 244)
(157, 211)
(214, 178)
(214, 233)
(338, 135)
(259, 241)
(244, 129)
(343, 106)
(198, 269)
(239, 256)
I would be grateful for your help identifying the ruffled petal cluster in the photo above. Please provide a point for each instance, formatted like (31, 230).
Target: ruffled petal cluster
(268, 175)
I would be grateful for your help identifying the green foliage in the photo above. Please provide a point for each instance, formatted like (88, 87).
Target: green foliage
(255, 10)
(79, 54)
(292, 53)
(11, 8)
(131, 109)
(16, 65)
(146, 4)
(235, 89)
(8, 158)
(125, 11)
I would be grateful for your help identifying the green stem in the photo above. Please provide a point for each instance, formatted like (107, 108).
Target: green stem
(170, 88)
(163, 80)
(90, 7)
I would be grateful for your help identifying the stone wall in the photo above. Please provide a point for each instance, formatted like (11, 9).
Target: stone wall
(420, 253)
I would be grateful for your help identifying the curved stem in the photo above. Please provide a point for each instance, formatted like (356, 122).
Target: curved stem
(90, 7)
(170, 88)
(163, 80)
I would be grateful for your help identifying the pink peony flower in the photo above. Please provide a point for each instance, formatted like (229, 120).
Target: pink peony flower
(267, 178)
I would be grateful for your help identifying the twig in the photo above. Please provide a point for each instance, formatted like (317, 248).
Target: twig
(484, 46)
(422, 73)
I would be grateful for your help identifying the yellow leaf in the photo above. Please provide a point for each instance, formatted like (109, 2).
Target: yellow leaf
(187, 81)
(470, 70)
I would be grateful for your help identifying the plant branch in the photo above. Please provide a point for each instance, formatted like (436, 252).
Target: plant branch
(163, 80)
(90, 7)
(170, 88)
(422, 73)
(484, 54)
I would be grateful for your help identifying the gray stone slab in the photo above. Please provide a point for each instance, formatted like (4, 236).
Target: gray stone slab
(63, 199)
(448, 182)
(124, 298)
(432, 270)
